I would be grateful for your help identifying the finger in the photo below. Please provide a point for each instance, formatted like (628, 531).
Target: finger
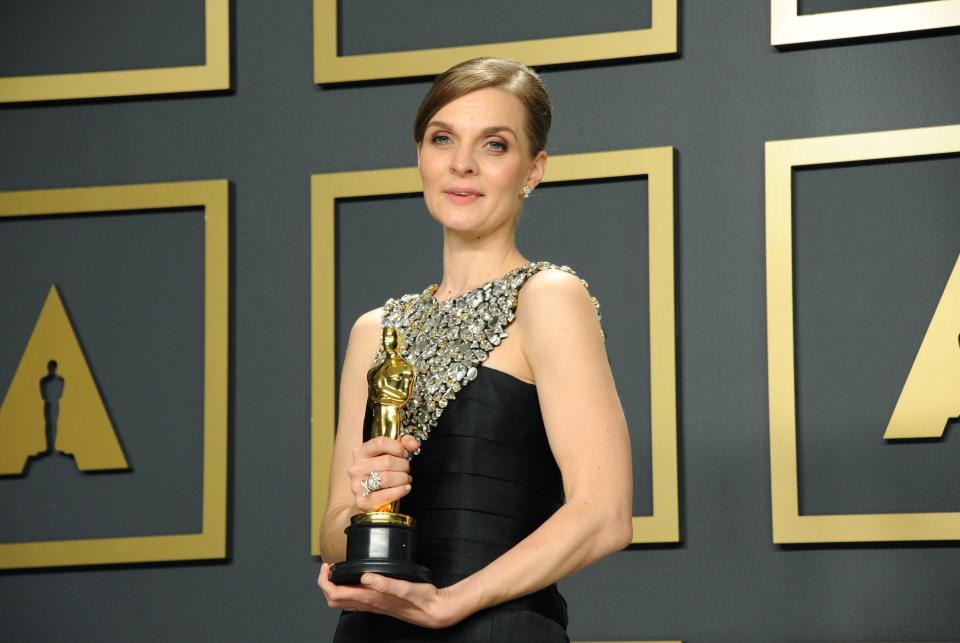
(379, 445)
(328, 586)
(330, 591)
(357, 473)
(375, 582)
(378, 498)
(390, 479)
(409, 443)
(354, 596)
(386, 462)
(361, 468)
(355, 606)
(382, 497)
(384, 585)
(387, 479)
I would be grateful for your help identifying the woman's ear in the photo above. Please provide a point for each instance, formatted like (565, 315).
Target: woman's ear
(537, 168)
(419, 146)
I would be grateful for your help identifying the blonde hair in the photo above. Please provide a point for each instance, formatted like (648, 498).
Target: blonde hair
(479, 73)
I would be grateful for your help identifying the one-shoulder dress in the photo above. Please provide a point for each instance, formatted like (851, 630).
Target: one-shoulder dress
(484, 480)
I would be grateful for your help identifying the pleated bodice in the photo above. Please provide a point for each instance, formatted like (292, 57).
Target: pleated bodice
(484, 480)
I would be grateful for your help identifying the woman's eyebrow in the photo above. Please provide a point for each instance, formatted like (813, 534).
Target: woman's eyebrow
(493, 129)
(498, 128)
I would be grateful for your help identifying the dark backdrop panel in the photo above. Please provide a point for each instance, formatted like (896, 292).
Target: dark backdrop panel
(132, 284)
(716, 102)
(874, 246)
(64, 36)
(822, 6)
(426, 24)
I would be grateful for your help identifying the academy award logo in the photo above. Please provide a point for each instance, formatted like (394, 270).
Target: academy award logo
(53, 405)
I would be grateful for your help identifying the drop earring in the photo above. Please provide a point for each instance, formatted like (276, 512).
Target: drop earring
(526, 191)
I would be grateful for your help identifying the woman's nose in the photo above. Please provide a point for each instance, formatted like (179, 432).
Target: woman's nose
(463, 163)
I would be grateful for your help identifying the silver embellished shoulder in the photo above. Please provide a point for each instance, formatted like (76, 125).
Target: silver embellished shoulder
(446, 341)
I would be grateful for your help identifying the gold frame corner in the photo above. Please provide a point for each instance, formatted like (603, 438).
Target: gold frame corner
(211, 541)
(212, 75)
(330, 67)
(788, 27)
(781, 157)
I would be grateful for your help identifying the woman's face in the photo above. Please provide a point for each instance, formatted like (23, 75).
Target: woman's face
(475, 159)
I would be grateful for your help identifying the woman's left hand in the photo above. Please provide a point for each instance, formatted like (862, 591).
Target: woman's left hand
(422, 604)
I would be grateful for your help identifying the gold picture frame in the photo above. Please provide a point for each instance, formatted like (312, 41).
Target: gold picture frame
(330, 67)
(656, 163)
(210, 543)
(788, 27)
(213, 74)
(789, 526)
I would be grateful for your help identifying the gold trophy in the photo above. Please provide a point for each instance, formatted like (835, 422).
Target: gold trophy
(383, 541)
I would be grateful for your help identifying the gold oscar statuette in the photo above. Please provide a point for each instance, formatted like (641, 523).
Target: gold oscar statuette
(384, 541)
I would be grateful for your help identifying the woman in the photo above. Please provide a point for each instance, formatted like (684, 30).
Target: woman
(526, 476)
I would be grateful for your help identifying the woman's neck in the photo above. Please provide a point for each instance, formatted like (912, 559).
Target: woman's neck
(468, 263)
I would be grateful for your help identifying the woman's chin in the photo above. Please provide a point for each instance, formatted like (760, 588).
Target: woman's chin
(470, 226)
(464, 221)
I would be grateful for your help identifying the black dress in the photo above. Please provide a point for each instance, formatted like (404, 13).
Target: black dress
(485, 479)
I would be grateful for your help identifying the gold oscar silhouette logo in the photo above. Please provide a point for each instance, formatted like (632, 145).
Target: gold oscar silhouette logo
(931, 396)
(53, 402)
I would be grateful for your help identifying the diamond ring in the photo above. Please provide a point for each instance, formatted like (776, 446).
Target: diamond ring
(371, 483)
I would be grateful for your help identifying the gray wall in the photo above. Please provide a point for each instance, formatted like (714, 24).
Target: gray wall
(873, 246)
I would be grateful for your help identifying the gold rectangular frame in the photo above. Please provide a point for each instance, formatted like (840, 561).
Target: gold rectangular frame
(211, 542)
(214, 74)
(657, 164)
(330, 67)
(781, 158)
(788, 27)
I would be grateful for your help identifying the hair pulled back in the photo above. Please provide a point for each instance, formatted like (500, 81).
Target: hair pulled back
(480, 73)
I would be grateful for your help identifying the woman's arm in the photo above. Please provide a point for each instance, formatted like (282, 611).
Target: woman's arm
(560, 337)
(352, 459)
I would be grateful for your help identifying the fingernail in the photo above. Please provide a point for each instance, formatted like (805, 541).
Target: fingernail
(408, 487)
(364, 580)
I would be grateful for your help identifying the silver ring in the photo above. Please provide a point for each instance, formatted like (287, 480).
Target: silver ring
(374, 483)
(366, 489)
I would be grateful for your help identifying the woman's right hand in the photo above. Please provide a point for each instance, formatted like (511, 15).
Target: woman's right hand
(391, 459)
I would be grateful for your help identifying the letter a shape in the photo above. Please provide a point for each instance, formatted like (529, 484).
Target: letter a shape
(931, 395)
(84, 429)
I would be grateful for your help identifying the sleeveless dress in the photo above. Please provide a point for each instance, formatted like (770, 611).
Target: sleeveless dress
(484, 480)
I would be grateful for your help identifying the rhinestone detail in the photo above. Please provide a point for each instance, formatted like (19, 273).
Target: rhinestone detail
(446, 341)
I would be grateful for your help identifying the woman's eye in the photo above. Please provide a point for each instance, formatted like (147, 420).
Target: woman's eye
(440, 139)
(497, 146)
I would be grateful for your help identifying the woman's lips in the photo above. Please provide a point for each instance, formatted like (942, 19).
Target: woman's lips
(462, 197)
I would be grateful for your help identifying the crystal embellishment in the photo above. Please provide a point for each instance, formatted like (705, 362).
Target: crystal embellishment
(446, 341)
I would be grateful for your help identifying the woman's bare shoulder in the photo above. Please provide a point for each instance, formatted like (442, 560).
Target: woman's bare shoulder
(369, 322)
(559, 300)
(365, 333)
(553, 288)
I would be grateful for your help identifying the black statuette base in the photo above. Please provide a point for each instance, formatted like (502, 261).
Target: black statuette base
(384, 549)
